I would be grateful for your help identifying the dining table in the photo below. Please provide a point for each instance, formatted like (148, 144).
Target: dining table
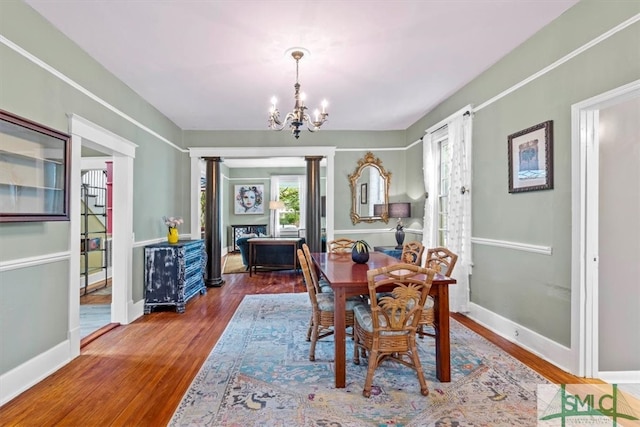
(348, 278)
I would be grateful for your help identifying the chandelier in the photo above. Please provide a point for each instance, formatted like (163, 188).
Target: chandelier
(298, 116)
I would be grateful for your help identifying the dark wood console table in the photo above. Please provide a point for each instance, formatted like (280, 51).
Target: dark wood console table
(290, 261)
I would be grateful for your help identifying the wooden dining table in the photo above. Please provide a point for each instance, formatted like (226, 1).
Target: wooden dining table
(347, 278)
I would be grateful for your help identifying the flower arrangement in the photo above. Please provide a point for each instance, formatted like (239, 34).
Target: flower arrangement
(172, 222)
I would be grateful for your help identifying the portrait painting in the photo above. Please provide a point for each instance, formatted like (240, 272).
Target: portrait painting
(249, 199)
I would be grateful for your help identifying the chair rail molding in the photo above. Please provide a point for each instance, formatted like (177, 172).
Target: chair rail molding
(15, 264)
(519, 246)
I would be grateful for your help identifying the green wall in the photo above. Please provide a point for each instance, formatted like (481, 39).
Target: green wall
(389, 146)
(530, 289)
(36, 299)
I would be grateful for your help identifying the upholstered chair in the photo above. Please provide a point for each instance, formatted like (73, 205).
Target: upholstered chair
(442, 260)
(386, 329)
(321, 323)
(323, 285)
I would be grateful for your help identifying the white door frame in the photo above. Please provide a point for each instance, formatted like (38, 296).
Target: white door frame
(196, 153)
(584, 234)
(84, 132)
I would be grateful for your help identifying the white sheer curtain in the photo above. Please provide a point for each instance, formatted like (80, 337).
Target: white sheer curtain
(459, 237)
(458, 129)
(430, 184)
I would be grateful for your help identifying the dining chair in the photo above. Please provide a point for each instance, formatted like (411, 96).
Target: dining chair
(386, 329)
(323, 285)
(442, 260)
(340, 245)
(321, 323)
(412, 252)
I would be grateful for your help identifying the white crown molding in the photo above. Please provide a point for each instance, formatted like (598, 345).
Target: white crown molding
(11, 45)
(561, 61)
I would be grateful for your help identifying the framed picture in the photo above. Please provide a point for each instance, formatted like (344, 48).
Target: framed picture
(248, 199)
(531, 158)
(34, 171)
(363, 194)
(93, 244)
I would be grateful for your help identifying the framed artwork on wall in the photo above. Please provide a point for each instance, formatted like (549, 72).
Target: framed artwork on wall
(34, 171)
(248, 199)
(363, 194)
(531, 158)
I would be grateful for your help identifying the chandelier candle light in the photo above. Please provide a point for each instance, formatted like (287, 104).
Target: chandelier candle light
(298, 116)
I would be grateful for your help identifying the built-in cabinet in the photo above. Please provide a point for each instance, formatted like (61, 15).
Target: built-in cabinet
(173, 273)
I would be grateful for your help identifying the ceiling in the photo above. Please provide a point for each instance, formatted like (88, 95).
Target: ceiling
(214, 65)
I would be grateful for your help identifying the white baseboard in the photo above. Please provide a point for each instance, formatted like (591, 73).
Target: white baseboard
(620, 377)
(33, 371)
(136, 310)
(537, 344)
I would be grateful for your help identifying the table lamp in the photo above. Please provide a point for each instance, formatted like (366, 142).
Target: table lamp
(399, 210)
(275, 205)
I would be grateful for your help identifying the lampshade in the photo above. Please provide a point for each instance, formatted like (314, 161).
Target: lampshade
(377, 210)
(399, 210)
(276, 204)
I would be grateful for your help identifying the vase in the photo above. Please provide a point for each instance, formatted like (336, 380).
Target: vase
(359, 257)
(172, 237)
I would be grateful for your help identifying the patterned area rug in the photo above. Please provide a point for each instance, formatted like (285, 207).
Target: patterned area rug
(259, 374)
(233, 264)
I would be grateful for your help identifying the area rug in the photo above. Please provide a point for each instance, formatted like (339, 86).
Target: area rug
(259, 374)
(233, 264)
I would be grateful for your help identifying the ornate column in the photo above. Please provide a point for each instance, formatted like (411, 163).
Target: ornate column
(213, 239)
(313, 222)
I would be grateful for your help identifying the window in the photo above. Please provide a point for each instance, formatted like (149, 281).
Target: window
(289, 194)
(443, 192)
(290, 189)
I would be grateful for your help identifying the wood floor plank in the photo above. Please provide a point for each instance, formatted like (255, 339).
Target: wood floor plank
(136, 375)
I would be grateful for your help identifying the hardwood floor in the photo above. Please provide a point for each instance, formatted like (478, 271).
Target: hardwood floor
(135, 375)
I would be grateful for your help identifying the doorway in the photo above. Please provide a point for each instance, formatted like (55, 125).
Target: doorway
(258, 152)
(95, 243)
(605, 268)
(88, 135)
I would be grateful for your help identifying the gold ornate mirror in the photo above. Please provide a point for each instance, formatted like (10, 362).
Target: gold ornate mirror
(369, 191)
